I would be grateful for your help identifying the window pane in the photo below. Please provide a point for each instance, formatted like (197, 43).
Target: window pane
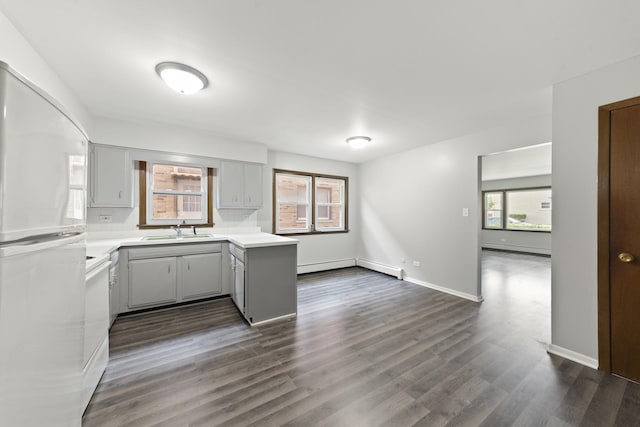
(176, 178)
(493, 210)
(323, 197)
(529, 210)
(329, 204)
(293, 193)
(173, 206)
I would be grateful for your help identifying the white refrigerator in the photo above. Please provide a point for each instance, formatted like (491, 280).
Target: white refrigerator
(43, 158)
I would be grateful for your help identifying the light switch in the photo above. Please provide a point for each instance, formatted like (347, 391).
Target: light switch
(465, 211)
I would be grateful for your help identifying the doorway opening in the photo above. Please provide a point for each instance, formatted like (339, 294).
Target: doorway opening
(515, 193)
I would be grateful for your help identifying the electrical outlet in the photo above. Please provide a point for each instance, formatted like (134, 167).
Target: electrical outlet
(105, 219)
(416, 263)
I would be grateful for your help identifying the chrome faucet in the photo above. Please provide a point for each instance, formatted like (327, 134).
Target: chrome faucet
(177, 228)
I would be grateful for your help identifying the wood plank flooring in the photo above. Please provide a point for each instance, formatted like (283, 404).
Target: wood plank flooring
(365, 350)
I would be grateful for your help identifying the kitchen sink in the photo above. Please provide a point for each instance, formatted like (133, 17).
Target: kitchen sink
(176, 237)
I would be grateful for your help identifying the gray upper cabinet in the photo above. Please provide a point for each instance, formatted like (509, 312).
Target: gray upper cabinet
(110, 172)
(252, 185)
(239, 185)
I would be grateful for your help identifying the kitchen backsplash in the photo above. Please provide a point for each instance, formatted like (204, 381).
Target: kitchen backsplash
(123, 219)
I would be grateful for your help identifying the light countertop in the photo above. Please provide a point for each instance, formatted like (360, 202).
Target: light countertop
(99, 247)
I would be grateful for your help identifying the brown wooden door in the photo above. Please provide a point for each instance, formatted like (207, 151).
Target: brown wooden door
(624, 241)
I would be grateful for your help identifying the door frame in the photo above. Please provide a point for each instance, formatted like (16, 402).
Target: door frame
(604, 290)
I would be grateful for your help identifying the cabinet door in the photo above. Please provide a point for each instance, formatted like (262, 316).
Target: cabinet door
(201, 275)
(152, 281)
(230, 184)
(252, 185)
(110, 171)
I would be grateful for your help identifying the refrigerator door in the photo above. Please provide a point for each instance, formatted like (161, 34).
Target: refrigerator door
(43, 158)
(42, 293)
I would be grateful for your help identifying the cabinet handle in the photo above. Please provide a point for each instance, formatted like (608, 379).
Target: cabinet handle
(120, 194)
(188, 266)
(169, 269)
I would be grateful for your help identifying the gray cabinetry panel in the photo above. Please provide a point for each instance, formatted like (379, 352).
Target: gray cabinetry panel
(270, 282)
(152, 282)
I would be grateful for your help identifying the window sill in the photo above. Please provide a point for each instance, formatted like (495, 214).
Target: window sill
(307, 233)
(168, 226)
(519, 231)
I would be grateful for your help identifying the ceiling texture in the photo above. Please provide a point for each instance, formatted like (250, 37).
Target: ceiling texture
(302, 76)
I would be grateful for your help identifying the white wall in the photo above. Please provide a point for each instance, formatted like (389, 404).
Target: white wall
(411, 205)
(16, 51)
(315, 252)
(324, 251)
(174, 139)
(125, 220)
(575, 155)
(523, 241)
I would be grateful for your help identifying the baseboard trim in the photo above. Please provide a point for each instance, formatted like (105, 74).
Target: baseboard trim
(470, 297)
(326, 265)
(286, 316)
(573, 356)
(381, 268)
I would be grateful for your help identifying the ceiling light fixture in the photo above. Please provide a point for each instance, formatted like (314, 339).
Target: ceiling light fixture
(182, 78)
(358, 142)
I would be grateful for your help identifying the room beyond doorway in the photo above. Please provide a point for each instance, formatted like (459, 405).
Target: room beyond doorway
(518, 286)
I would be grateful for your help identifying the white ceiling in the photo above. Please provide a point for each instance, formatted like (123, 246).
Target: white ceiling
(528, 161)
(301, 76)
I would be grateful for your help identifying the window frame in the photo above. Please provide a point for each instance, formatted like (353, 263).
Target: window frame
(312, 207)
(505, 209)
(144, 168)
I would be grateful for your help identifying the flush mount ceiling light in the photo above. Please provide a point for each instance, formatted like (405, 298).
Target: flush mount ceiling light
(358, 142)
(181, 78)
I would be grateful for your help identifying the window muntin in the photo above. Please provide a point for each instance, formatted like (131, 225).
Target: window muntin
(175, 193)
(309, 203)
(523, 209)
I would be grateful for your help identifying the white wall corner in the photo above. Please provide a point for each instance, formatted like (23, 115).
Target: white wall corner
(381, 268)
(470, 297)
(326, 265)
(573, 356)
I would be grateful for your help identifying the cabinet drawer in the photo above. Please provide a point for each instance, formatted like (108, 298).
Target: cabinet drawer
(237, 252)
(173, 250)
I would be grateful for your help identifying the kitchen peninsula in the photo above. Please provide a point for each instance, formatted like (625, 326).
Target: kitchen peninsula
(257, 270)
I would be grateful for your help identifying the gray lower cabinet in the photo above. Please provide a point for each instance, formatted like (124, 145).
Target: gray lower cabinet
(265, 281)
(201, 275)
(152, 281)
(159, 275)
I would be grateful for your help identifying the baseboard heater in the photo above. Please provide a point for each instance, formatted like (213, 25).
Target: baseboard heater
(381, 268)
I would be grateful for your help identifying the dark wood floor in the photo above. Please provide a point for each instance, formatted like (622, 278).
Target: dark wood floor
(365, 350)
